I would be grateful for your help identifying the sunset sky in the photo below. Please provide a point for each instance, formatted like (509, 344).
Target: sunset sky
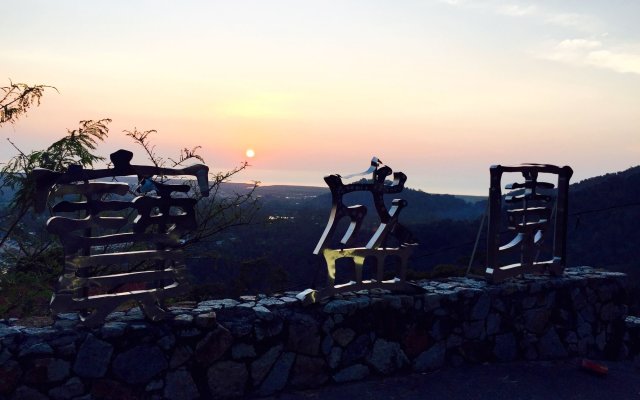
(437, 89)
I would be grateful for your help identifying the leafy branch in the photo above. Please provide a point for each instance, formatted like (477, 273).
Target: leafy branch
(219, 211)
(142, 139)
(16, 98)
(74, 148)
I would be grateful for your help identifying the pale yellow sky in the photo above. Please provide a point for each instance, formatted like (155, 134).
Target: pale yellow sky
(438, 89)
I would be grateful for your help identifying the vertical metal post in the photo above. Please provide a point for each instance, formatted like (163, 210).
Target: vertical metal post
(493, 226)
(562, 202)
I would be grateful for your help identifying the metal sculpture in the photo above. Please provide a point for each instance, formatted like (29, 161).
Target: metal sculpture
(104, 264)
(535, 211)
(377, 247)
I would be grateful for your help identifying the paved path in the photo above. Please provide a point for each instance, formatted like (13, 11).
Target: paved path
(511, 381)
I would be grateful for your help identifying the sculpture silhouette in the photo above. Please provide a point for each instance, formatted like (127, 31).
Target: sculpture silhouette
(104, 265)
(377, 247)
(532, 208)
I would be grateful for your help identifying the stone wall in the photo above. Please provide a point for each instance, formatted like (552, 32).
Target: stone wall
(258, 345)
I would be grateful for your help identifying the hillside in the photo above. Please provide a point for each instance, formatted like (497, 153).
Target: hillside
(275, 251)
(603, 227)
(601, 233)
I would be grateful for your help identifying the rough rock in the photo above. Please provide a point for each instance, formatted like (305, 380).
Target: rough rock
(343, 336)
(261, 366)
(474, 329)
(219, 304)
(139, 364)
(180, 355)
(154, 385)
(431, 359)
(270, 301)
(609, 312)
(505, 348)
(536, 320)
(4, 355)
(438, 330)
(340, 307)
(10, 373)
(334, 357)
(180, 386)
(213, 346)
(111, 390)
(493, 323)
(356, 350)
(304, 335)
(71, 389)
(481, 308)
(387, 357)
(167, 342)
(47, 370)
(206, 320)
(183, 320)
(93, 358)
(242, 350)
(415, 342)
(37, 349)
(263, 312)
(431, 301)
(353, 373)
(27, 393)
(279, 375)
(113, 329)
(309, 372)
(550, 346)
(268, 328)
(227, 379)
(327, 344)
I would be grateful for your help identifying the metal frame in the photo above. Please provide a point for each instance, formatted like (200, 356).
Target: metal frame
(530, 220)
(104, 265)
(377, 246)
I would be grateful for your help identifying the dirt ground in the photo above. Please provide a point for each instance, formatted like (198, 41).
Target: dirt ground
(510, 381)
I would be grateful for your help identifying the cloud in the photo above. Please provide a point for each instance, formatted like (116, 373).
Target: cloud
(569, 20)
(616, 61)
(580, 22)
(515, 10)
(593, 53)
(590, 52)
(578, 44)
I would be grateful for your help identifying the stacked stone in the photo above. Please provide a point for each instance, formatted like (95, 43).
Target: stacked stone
(259, 345)
(632, 338)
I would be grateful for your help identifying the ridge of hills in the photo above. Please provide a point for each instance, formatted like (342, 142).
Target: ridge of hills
(275, 252)
(603, 223)
(602, 229)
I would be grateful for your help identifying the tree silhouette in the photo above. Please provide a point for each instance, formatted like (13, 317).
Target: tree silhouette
(17, 98)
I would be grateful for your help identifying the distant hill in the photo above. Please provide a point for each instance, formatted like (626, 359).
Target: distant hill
(422, 207)
(604, 222)
(277, 248)
(602, 229)
(470, 198)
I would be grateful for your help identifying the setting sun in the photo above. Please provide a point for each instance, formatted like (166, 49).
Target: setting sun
(250, 153)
